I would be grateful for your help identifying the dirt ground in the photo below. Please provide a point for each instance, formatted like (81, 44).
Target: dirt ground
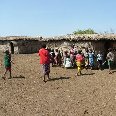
(92, 94)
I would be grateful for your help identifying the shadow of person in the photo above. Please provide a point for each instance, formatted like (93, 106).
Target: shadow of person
(113, 71)
(60, 78)
(20, 76)
(88, 74)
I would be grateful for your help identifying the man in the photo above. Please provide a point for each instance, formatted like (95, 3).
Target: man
(110, 58)
(45, 61)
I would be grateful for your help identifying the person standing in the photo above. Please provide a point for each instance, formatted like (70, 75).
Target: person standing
(100, 60)
(45, 61)
(110, 59)
(72, 55)
(91, 58)
(79, 60)
(7, 64)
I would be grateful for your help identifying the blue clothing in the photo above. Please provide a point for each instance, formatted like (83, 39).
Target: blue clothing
(91, 58)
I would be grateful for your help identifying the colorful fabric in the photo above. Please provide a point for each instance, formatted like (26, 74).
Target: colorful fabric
(91, 59)
(79, 64)
(99, 57)
(110, 63)
(46, 68)
(7, 60)
(79, 58)
(79, 67)
(8, 68)
(110, 56)
(68, 63)
(44, 56)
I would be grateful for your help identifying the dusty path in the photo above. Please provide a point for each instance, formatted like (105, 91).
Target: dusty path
(93, 94)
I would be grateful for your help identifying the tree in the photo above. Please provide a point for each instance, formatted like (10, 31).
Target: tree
(87, 31)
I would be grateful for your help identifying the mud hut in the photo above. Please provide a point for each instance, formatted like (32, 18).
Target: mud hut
(20, 44)
(24, 44)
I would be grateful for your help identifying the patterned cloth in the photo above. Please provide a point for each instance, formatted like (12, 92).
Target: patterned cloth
(46, 68)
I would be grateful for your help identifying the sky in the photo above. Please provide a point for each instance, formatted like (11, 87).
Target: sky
(56, 17)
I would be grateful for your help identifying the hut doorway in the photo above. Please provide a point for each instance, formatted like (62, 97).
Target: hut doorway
(107, 45)
(12, 48)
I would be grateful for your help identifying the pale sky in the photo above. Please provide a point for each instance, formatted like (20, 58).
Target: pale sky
(55, 17)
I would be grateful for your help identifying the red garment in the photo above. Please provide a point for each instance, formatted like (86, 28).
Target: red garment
(44, 56)
(79, 58)
(72, 51)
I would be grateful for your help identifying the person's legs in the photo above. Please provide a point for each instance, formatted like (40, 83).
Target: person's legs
(44, 78)
(44, 71)
(4, 76)
(100, 64)
(10, 76)
(48, 70)
(109, 64)
(78, 68)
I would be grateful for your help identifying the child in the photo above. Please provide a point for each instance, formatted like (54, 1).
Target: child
(7, 63)
(86, 56)
(91, 59)
(68, 63)
(72, 55)
(52, 57)
(79, 60)
(110, 58)
(58, 57)
(99, 60)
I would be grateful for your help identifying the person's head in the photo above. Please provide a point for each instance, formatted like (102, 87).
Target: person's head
(109, 49)
(90, 50)
(43, 46)
(52, 50)
(7, 52)
(66, 52)
(99, 52)
(49, 49)
(86, 50)
(56, 50)
(72, 46)
(68, 56)
(79, 51)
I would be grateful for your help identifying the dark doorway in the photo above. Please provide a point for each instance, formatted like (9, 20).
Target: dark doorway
(107, 45)
(12, 48)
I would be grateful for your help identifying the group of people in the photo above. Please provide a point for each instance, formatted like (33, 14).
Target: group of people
(74, 58)
(67, 59)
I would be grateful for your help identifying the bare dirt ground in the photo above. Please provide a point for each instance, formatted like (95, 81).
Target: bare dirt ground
(93, 94)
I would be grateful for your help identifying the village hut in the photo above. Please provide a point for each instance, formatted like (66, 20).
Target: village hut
(20, 44)
(97, 42)
(25, 45)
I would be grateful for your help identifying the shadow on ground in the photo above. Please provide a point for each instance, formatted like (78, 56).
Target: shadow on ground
(20, 76)
(88, 74)
(60, 78)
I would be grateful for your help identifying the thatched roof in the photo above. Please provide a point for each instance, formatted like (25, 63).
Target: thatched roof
(70, 37)
(11, 38)
(86, 37)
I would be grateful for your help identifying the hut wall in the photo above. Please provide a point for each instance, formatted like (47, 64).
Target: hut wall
(98, 46)
(27, 47)
(114, 50)
(4, 45)
(66, 44)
